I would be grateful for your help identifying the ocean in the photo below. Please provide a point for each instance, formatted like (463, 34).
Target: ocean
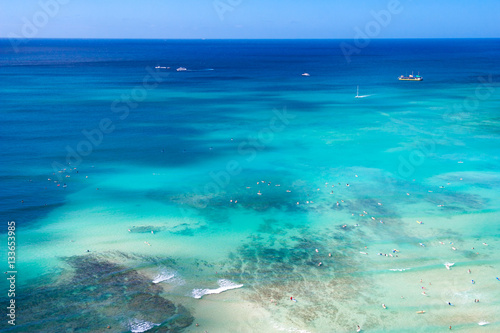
(208, 185)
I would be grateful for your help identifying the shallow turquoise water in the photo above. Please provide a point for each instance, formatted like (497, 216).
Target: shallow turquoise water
(232, 171)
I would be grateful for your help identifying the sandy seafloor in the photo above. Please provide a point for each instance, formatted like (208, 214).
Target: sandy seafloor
(383, 191)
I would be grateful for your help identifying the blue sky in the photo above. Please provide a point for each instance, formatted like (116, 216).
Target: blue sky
(248, 18)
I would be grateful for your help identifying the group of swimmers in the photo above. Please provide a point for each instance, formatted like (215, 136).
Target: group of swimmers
(344, 226)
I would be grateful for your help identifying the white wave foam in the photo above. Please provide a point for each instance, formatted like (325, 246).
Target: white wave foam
(399, 269)
(139, 326)
(168, 276)
(223, 286)
(449, 264)
(483, 323)
(163, 277)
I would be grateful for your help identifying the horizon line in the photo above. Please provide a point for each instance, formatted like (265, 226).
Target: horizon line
(203, 38)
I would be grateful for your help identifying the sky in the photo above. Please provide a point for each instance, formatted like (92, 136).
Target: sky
(248, 19)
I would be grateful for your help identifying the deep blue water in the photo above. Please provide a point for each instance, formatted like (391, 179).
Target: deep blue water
(167, 141)
(53, 89)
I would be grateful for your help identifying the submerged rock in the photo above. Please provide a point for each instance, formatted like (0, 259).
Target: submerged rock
(99, 294)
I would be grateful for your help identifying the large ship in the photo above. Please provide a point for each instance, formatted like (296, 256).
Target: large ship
(410, 78)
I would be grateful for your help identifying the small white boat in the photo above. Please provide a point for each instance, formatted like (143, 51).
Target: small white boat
(158, 67)
(306, 74)
(181, 69)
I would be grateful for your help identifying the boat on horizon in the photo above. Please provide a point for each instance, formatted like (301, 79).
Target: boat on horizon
(411, 77)
(181, 69)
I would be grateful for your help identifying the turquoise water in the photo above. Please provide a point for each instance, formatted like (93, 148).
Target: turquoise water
(228, 182)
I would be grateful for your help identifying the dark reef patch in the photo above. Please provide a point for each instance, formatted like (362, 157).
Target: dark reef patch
(98, 294)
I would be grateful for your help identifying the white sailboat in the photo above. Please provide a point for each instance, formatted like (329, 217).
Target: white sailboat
(358, 95)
